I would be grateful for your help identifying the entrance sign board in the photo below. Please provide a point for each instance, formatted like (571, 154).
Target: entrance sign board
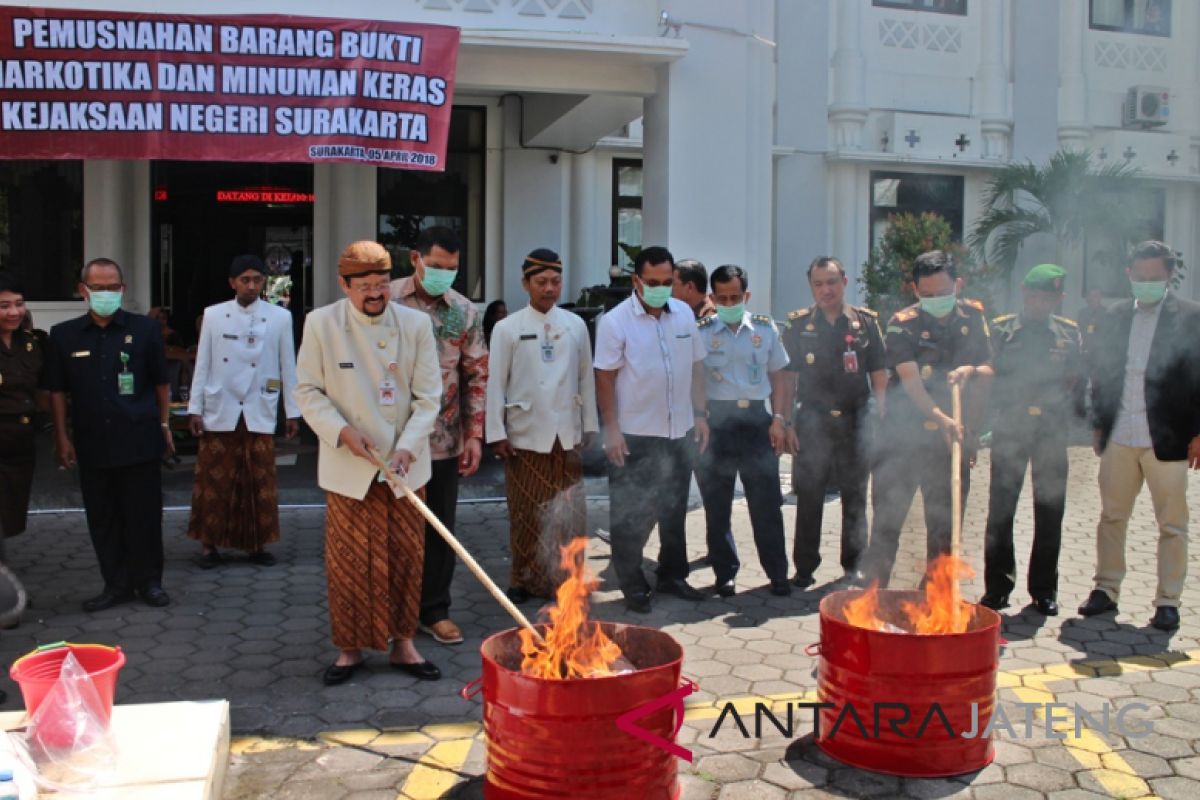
(117, 85)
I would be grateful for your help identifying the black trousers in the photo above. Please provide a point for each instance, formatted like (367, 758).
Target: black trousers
(1013, 447)
(652, 488)
(911, 457)
(441, 495)
(832, 449)
(124, 508)
(740, 445)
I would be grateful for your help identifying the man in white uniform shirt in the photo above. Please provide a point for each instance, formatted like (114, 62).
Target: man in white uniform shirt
(245, 361)
(650, 386)
(541, 408)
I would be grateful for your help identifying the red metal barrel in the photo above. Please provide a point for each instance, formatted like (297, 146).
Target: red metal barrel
(556, 739)
(955, 673)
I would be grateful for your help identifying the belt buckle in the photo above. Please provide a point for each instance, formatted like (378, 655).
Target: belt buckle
(24, 420)
(833, 412)
(743, 403)
(1035, 411)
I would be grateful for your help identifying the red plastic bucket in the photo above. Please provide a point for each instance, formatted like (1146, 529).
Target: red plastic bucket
(555, 739)
(37, 672)
(919, 673)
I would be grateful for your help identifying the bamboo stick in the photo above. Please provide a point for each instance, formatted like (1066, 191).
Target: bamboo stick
(956, 477)
(397, 482)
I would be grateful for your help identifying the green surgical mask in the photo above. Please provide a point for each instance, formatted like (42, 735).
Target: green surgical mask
(938, 306)
(656, 296)
(437, 281)
(731, 315)
(1148, 291)
(105, 304)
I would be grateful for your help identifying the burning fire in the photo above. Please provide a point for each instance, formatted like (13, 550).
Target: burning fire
(942, 611)
(574, 647)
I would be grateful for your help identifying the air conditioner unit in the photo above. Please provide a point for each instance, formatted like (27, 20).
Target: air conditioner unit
(1147, 107)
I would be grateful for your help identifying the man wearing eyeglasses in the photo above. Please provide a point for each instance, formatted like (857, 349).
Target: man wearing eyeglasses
(111, 364)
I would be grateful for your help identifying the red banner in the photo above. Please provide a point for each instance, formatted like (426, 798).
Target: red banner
(117, 85)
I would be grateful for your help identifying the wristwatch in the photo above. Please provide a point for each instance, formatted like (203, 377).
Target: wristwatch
(700, 412)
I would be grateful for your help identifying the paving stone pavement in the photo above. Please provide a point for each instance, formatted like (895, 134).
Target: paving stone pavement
(259, 637)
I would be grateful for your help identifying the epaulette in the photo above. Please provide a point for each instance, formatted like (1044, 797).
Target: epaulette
(1066, 321)
(869, 312)
(799, 312)
(973, 303)
(763, 318)
(905, 314)
(704, 322)
(1003, 318)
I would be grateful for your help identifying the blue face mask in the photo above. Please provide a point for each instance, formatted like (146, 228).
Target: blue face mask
(938, 306)
(437, 281)
(731, 315)
(656, 296)
(105, 304)
(1148, 291)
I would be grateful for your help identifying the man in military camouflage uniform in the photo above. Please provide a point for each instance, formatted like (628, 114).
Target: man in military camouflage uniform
(837, 357)
(938, 342)
(1039, 371)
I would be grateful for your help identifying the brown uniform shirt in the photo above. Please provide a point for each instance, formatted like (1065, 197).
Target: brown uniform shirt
(22, 373)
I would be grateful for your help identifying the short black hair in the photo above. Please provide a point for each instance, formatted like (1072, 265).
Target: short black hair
(440, 236)
(11, 283)
(933, 262)
(694, 272)
(1152, 248)
(728, 272)
(101, 262)
(821, 262)
(652, 255)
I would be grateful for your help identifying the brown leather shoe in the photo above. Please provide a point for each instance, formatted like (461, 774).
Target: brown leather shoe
(444, 632)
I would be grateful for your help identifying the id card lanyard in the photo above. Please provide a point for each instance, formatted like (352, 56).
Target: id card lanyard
(547, 345)
(125, 377)
(850, 358)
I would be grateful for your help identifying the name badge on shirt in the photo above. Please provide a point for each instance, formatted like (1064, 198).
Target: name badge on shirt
(547, 352)
(387, 391)
(81, 354)
(528, 336)
(273, 384)
(230, 336)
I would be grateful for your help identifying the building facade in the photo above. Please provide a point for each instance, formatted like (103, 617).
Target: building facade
(762, 133)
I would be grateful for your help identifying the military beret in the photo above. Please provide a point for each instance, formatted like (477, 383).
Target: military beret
(1045, 278)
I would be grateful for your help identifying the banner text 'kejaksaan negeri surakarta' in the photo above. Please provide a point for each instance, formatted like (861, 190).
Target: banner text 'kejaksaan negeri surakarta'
(82, 84)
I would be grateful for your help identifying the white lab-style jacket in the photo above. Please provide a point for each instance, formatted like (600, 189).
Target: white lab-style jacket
(540, 381)
(344, 358)
(246, 360)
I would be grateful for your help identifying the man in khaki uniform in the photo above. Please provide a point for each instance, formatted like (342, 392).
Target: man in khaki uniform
(367, 378)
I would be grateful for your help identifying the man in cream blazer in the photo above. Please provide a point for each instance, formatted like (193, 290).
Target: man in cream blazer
(245, 361)
(368, 379)
(541, 407)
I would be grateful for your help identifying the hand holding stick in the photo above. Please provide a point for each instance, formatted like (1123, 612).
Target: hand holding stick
(398, 484)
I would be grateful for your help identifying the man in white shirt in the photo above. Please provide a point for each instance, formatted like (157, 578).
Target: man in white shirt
(245, 360)
(1145, 360)
(650, 386)
(541, 407)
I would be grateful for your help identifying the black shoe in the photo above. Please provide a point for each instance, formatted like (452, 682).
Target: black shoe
(336, 673)
(154, 596)
(1166, 618)
(263, 558)
(106, 599)
(1046, 606)
(638, 602)
(725, 588)
(209, 560)
(422, 670)
(1098, 602)
(679, 588)
(517, 594)
(803, 581)
(995, 602)
(781, 588)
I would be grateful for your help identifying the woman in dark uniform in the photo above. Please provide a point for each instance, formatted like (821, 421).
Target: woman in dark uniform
(22, 358)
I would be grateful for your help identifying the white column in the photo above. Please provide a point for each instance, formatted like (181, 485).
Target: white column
(116, 223)
(995, 114)
(345, 210)
(847, 234)
(848, 107)
(1074, 130)
(585, 235)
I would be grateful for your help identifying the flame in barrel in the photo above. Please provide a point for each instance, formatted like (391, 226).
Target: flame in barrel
(942, 611)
